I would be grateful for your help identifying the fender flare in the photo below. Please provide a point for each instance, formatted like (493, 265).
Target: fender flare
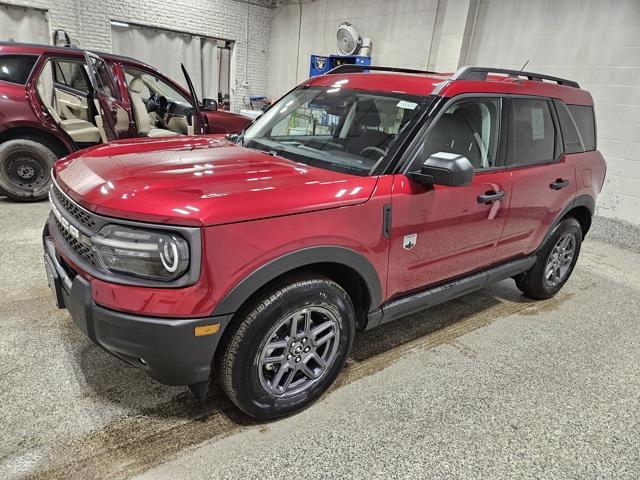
(580, 201)
(242, 291)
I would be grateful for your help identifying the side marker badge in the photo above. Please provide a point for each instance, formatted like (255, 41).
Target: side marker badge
(409, 241)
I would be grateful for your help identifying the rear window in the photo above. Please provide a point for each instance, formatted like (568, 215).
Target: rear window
(16, 68)
(585, 120)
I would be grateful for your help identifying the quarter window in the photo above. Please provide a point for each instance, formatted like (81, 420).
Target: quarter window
(16, 68)
(469, 128)
(586, 123)
(572, 140)
(533, 134)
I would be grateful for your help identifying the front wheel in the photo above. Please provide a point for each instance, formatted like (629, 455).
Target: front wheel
(25, 169)
(556, 260)
(288, 348)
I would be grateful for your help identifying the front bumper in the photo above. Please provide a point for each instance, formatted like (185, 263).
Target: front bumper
(167, 349)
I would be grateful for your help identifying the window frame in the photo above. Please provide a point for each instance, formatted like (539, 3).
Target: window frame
(595, 125)
(408, 163)
(33, 67)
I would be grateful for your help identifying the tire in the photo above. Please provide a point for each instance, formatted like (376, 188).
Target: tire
(25, 169)
(245, 371)
(544, 280)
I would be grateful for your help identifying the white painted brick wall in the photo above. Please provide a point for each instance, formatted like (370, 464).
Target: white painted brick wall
(597, 43)
(401, 31)
(87, 21)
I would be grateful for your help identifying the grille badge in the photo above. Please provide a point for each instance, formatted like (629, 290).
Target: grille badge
(68, 226)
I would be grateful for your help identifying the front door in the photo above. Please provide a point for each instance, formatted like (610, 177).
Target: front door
(445, 232)
(113, 119)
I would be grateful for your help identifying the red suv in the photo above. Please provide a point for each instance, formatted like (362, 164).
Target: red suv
(57, 100)
(356, 199)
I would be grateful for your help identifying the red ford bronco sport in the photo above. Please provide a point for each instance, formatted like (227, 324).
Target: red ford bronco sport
(360, 197)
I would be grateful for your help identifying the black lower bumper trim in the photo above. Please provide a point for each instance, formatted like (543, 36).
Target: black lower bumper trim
(167, 349)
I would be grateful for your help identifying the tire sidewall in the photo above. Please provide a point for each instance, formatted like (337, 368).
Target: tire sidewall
(40, 153)
(252, 397)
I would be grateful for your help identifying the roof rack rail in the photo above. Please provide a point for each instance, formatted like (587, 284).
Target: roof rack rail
(352, 68)
(480, 73)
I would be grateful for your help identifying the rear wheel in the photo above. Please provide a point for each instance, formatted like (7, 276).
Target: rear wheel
(556, 260)
(288, 348)
(25, 169)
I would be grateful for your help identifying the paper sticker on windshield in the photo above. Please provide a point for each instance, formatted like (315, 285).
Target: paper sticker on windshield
(406, 105)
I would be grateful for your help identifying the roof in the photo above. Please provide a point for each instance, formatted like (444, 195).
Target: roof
(465, 80)
(39, 49)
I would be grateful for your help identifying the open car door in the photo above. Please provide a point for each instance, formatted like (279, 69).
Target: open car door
(113, 119)
(197, 124)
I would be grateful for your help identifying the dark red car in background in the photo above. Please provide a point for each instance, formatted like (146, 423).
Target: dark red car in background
(56, 100)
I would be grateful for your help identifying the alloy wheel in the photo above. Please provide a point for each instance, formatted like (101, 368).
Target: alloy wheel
(559, 260)
(298, 351)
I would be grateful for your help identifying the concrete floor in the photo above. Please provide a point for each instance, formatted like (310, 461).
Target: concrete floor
(487, 386)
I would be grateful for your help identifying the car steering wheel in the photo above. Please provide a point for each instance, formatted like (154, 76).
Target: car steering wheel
(157, 103)
(364, 152)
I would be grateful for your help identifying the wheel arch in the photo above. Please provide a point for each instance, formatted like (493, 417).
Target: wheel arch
(38, 134)
(348, 268)
(582, 208)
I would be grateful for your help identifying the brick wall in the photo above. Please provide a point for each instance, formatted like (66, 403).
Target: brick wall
(595, 42)
(87, 21)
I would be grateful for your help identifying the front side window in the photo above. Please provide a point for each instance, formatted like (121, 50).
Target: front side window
(533, 134)
(337, 128)
(16, 68)
(150, 85)
(469, 128)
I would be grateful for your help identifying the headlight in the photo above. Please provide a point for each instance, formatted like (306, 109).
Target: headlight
(145, 253)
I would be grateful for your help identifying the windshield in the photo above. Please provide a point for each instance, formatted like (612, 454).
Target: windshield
(351, 131)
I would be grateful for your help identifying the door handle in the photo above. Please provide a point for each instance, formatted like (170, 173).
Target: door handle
(559, 184)
(490, 197)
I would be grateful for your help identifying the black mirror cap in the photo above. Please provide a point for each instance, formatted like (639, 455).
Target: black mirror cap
(444, 168)
(209, 104)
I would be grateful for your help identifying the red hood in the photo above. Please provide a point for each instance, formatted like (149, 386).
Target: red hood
(201, 181)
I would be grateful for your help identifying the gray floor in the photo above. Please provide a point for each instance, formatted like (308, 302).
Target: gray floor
(488, 386)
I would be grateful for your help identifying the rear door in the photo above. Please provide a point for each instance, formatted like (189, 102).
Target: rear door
(445, 232)
(543, 180)
(114, 118)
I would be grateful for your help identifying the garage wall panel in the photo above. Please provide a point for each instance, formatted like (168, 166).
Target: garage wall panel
(247, 24)
(23, 24)
(401, 31)
(594, 42)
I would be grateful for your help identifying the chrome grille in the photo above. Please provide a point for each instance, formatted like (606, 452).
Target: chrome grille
(73, 210)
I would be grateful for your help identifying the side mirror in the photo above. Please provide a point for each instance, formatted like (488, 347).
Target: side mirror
(209, 104)
(444, 168)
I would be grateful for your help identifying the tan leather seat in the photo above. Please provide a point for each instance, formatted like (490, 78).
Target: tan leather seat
(136, 86)
(79, 130)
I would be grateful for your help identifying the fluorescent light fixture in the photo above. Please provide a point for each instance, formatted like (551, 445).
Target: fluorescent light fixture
(119, 24)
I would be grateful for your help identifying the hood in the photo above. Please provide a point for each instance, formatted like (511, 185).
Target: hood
(200, 181)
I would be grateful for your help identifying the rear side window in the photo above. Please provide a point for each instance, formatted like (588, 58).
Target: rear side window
(586, 122)
(71, 74)
(16, 68)
(572, 139)
(533, 135)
